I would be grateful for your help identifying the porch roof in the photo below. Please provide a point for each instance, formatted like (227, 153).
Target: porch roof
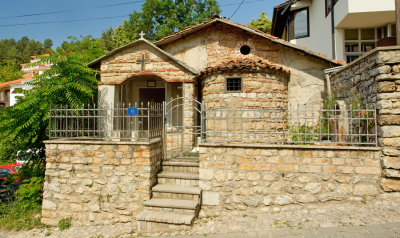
(96, 62)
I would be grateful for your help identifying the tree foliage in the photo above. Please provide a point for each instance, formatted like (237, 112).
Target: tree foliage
(262, 23)
(160, 18)
(68, 82)
(14, 53)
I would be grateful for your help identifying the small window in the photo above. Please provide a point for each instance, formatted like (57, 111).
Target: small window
(299, 24)
(234, 84)
(329, 4)
(245, 50)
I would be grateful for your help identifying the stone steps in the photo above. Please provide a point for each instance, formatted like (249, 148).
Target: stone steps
(176, 199)
(176, 192)
(179, 178)
(149, 221)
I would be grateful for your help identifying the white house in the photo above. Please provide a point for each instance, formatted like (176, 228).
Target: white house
(341, 29)
(8, 96)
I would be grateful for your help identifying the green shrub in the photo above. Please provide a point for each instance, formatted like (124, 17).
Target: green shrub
(64, 223)
(30, 194)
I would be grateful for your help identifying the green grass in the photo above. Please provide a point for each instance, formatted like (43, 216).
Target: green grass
(15, 216)
(64, 223)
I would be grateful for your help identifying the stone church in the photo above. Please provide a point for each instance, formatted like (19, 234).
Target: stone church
(212, 60)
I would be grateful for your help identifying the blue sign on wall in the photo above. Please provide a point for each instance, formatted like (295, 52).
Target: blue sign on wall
(132, 111)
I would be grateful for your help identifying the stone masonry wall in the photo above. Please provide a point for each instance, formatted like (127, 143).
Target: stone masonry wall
(375, 78)
(238, 177)
(98, 183)
(263, 97)
(124, 65)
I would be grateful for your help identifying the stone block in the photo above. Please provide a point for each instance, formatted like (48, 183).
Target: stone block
(345, 169)
(206, 174)
(389, 131)
(305, 198)
(365, 190)
(391, 162)
(283, 200)
(49, 205)
(211, 198)
(386, 86)
(391, 142)
(392, 173)
(313, 188)
(368, 170)
(389, 120)
(285, 168)
(391, 151)
(390, 185)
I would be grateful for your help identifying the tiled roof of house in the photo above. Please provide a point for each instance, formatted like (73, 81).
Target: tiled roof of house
(3, 85)
(246, 63)
(270, 37)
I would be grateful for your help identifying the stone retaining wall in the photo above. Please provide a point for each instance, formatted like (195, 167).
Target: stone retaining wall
(240, 176)
(375, 78)
(98, 183)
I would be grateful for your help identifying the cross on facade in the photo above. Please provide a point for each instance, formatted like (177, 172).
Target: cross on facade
(142, 34)
(143, 61)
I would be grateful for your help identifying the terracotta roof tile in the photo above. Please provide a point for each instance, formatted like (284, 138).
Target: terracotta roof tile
(246, 63)
(15, 81)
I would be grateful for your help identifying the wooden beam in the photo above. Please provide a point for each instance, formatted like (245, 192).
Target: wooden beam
(397, 3)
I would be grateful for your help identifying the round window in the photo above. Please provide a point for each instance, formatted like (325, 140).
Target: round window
(245, 50)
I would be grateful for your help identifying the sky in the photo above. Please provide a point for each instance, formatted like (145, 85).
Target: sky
(90, 17)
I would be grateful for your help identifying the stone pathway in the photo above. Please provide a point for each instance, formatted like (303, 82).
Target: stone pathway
(379, 217)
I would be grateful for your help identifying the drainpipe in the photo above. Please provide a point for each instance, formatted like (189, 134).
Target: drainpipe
(333, 31)
(328, 73)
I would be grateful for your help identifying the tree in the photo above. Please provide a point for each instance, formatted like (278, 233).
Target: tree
(47, 44)
(160, 18)
(262, 23)
(106, 40)
(68, 82)
(120, 37)
(9, 72)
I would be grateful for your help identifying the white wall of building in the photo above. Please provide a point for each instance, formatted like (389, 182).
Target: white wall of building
(320, 39)
(370, 5)
(13, 96)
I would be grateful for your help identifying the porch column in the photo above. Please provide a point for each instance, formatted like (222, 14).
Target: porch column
(188, 116)
(106, 102)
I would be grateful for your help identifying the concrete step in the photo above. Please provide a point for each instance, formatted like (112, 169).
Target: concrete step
(181, 163)
(176, 168)
(172, 203)
(150, 221)
(171, 191)
(178, 178)
(183, 159)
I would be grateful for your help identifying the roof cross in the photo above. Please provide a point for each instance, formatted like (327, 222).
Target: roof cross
(143, 61)
(142, 34)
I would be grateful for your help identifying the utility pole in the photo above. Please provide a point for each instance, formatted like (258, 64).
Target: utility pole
(397, 3)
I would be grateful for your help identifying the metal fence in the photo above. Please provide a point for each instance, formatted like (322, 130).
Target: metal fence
(280, 123)
(138, 122)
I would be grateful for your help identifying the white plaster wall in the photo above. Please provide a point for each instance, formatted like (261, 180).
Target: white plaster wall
(13, 96)
(320, 39)
(370, 5)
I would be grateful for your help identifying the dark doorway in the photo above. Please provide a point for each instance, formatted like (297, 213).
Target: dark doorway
(151, 95)
(156, 95)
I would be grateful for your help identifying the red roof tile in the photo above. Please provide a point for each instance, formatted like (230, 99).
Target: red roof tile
(2, 85)
(246, 63)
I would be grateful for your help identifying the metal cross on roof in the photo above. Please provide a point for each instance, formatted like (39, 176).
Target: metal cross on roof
(142, 34)
(143, 61)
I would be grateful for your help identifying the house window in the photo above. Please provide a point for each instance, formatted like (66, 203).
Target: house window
(233, 84)
(360, 41)
(299, 24)
(329, 4)
(7, 96)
